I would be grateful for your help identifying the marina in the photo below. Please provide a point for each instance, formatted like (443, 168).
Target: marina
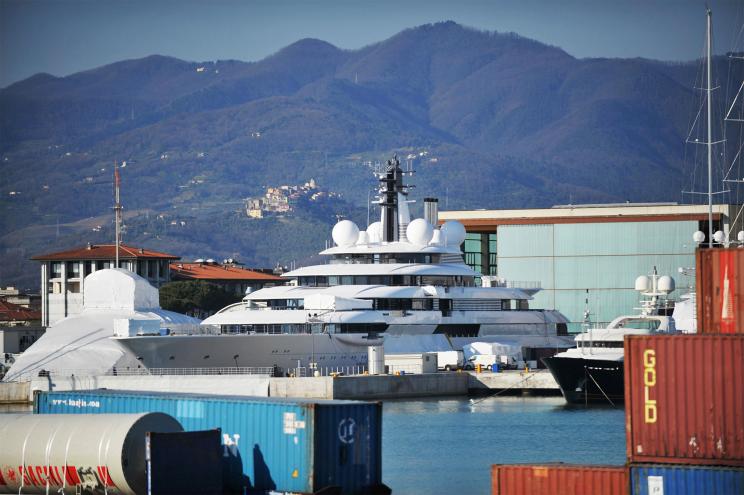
(546, 319)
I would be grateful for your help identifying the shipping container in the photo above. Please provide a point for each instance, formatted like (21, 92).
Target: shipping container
(684, 399)
(719, 275)
(670, 479)
(558, 479)
(291, 445)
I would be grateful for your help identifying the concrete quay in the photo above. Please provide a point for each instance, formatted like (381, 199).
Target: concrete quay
(357, 387)
(514, 382)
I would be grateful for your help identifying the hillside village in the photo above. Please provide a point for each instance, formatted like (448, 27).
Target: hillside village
(281, 200)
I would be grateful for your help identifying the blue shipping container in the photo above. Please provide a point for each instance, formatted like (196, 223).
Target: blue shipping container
(670, 479)
(289, 445)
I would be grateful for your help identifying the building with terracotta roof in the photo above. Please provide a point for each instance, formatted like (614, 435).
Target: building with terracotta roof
(229, 276)
(63, 274)
(19, 328)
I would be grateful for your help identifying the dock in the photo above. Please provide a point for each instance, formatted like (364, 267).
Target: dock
(353, 387)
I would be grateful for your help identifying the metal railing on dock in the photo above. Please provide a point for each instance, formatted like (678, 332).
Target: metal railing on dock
(68, 373)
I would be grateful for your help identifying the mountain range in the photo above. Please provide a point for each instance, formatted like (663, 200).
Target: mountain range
(494, 120)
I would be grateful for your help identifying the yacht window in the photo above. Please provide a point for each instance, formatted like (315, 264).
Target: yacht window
(506, 304)
(347, 280)
(615, 344)
(333, 280)
(361, 280)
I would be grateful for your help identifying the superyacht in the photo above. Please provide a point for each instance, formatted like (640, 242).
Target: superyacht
(593, 371)
(399, 277)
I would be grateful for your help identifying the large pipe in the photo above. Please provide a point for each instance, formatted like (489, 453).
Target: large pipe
(431, 211)
(77, 453)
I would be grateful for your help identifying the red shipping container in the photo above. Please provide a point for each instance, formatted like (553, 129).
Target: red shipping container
(684, 399)
(558, 479)
(719, 275)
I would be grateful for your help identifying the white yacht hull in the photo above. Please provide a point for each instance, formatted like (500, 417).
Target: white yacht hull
(284, 351)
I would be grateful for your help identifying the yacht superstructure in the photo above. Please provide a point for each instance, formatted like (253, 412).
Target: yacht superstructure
(397, 277)
(593, 371)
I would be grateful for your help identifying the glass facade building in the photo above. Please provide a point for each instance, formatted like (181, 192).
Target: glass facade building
(586, 258)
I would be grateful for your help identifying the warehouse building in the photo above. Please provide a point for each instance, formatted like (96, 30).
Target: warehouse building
(588, 256)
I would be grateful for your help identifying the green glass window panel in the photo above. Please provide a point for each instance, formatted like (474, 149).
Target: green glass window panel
(525, 240)
(604, 305)
(614, 272)
(527, 270)
(473, 236)
(473, 258)
(545, 299)
(472, 246)
(617, 238)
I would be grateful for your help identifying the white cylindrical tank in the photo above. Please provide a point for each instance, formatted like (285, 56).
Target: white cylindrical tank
(376, 359)
(74, 453)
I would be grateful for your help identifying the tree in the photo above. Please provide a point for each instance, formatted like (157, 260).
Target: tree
(195, 297)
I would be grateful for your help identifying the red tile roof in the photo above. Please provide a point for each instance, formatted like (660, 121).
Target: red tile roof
(204, 271)
(14, 312)
(104, 252)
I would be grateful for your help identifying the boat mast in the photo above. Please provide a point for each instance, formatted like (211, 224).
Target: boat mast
(709, 41)
(117, 210)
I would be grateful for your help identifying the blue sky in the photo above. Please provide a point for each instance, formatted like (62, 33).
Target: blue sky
(65, 36)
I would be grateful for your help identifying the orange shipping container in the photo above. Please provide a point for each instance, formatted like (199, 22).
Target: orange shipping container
(558, 479)
(684, 399)
(719, 275)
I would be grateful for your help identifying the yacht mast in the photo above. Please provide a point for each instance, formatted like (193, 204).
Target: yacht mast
(117, 210)
(710, 131)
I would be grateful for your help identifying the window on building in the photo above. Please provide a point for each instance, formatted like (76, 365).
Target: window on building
(472, 251)
(73, 269)
(56, 269)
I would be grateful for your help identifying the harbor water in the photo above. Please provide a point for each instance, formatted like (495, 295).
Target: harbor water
(447, 446)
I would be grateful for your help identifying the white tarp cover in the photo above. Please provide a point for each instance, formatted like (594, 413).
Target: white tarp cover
(492, 348)
(83, 342)
(416, 344)
(118, 289)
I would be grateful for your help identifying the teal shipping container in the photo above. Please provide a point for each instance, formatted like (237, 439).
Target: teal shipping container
(670, 479)
(285, 445)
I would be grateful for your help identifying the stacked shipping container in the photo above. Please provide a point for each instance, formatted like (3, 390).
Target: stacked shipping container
(558, 479)
(684, 395)
(720, 290)
(684, 404)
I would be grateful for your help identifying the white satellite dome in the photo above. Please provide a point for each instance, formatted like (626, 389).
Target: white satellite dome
(363, 239)
(419, 232)
(665, 284)
(345, 233)
(374, 232)
(642, 283)
(698, 237)
(718, 236)
(453, 233)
